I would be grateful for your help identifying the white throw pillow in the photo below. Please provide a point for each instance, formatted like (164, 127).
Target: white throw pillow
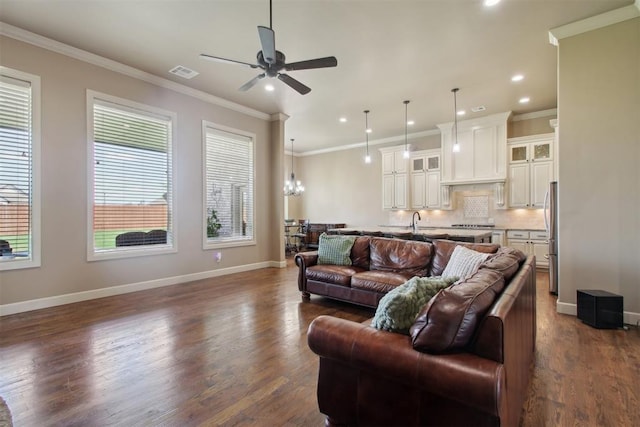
(464, 262)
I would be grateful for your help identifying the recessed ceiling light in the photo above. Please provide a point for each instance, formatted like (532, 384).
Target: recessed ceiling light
(461, 113)
(269, 88)
(490, 3)
(411, 123)
(517, 78)
(368, 130)
(524, 100)
(343, 120)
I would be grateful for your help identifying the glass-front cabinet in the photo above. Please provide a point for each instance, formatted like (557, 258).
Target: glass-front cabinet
(531, 168)
(531, 152)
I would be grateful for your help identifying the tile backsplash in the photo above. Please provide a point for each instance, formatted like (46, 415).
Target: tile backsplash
(473, 205)
(476, 207)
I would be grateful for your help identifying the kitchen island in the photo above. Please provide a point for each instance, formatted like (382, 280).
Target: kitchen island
(460, 235)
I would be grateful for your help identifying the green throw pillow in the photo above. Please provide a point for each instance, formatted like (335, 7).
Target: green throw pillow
(399, 308)
(335, 249)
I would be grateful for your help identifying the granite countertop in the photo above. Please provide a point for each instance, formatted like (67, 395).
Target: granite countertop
(444, 227)
(462, 232)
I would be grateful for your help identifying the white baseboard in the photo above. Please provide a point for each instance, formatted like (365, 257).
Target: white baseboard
(36, 304)
(629, 317)
(566, 308)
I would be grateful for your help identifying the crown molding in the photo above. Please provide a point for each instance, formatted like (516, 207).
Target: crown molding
(535, 115)
(593, 23)
(278, 117)
(91, 58)
(398, 138)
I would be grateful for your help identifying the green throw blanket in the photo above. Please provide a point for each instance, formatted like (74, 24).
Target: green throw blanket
(398, 309)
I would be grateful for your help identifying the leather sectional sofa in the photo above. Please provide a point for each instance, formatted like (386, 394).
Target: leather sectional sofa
(466, 361)
(378, 264)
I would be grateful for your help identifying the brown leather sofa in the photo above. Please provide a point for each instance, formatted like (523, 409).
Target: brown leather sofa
(379, 264)
(466, 361)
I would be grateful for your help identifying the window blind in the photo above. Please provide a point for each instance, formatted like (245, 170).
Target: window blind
(16, 167)
(132, 178)
(229, 186)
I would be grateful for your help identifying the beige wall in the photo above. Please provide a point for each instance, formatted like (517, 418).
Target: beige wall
(599, 177)
(65, 269)
(528, 127)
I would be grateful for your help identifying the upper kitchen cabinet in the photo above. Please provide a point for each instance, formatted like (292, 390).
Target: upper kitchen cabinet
(531, 168)
(425, 179)
(394, 178)
(483, 151)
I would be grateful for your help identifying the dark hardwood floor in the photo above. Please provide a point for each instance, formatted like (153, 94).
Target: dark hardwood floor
(232, 351)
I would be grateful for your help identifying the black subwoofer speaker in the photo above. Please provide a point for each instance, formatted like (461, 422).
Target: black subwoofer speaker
(600, 309)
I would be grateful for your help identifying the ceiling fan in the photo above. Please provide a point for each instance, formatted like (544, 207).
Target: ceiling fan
(272, 61)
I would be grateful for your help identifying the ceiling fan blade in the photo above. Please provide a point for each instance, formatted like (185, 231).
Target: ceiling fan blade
(225, 60)
(302, 89)
(268, 42)
(329, 61)
(251, 83)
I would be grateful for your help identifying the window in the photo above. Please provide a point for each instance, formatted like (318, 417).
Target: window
(19, 170)
(131, 166)
(229, 176)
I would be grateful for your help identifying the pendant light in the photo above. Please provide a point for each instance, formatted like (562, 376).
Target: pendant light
(406, 146)
(367, 157)
(456, 145)
(291, 186)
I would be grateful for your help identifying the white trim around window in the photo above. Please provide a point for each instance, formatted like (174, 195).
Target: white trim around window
(29, 255)
(228, 170)
(143, 186)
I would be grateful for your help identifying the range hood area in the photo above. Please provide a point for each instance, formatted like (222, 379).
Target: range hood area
(483, 151)
(482, 156)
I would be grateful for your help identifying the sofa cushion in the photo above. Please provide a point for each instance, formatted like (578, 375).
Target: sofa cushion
(464, 262)
(444, 248)
(398, 309)
(506, 261)
(336, 274)
(378, 281)
(335, 249)
(408, 257)
(360, 252)
(448, 322)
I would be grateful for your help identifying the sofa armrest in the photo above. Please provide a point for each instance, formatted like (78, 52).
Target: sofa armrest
(465, 378)
(304, 260)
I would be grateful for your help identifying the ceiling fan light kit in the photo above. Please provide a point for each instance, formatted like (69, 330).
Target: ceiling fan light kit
(272, 62)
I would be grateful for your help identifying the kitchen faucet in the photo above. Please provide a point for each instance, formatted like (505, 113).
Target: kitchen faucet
(414, 224)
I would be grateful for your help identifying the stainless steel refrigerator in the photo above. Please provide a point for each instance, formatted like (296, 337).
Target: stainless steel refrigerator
(551, 224)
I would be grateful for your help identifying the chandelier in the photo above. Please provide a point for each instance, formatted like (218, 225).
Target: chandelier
(291, 186)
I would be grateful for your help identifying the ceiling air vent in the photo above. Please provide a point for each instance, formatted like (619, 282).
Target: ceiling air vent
(183, 72)
(478, 108)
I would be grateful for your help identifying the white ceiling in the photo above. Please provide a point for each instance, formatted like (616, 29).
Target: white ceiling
(387, 51)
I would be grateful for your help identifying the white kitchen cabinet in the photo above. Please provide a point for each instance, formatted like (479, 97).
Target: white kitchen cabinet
(498, 236)
(393, 160)
(425, 179)
(531, 243)
(394, 178)
(531, 169)
(482, 157)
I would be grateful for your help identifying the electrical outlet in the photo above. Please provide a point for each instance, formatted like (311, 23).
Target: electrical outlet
(218, 256)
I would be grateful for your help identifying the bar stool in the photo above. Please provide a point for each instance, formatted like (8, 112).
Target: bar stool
(300, 235)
